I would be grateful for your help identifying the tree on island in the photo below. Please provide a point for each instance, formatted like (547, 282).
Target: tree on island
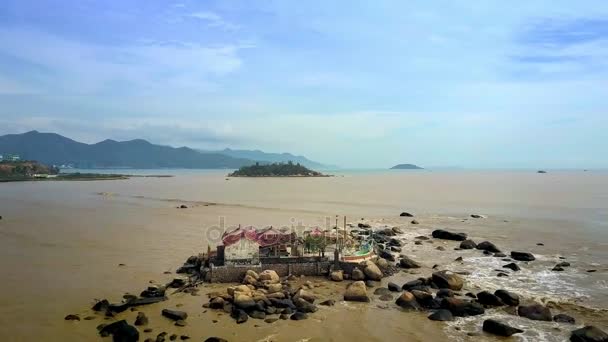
(275, 170)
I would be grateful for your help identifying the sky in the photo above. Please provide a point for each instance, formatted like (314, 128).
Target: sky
(370, 84)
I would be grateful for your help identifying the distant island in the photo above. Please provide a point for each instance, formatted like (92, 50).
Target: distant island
(288, 169)
(406, 167)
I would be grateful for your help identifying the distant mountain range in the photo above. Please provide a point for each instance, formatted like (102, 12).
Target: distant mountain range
(54, 149)
(406, 167)
(269, 157)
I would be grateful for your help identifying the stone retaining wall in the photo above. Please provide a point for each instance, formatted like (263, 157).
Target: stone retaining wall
(236, 273)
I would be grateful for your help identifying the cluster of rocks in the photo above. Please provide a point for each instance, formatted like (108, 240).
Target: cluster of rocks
(267, 297)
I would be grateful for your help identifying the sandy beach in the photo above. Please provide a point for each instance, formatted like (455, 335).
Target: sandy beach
(62, 244)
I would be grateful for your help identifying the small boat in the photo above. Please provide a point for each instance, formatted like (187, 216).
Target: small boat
(365, 252)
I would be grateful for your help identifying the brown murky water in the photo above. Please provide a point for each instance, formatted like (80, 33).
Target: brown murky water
(61, 244)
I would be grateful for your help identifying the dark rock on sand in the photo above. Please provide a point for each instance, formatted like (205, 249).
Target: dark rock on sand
(101, 305)
(240, 316)
(441, 315)
(407, 301)
(512, 266)
(476, 216)
(407, 262)
(488, 246)
(468, 244)
(415, 222)
(563, 318)
(497, 328)
(406, 214)
(588, 334)
(448, 280)
(120, 331)
(535, 312)
(141, 319)
(557, 269)
(257, 314)
(445, 235)
(174, 314)
(72, 317)
(522, 256)
(501, 274)
(370, 283)
(563, 264)
(298, 316)
(329, 302)
(509, 298)
(304, 306)
(489, 299)
(215, 339)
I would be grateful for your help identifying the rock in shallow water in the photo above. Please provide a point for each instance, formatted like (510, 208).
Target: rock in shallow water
(174, 314)
(441, 315)
(512, 266)
(488, 246)
(563, 318)
(445, 235)
(522, 256)
(407, 301)
(468, 244)
(497, 328)
(535, 312)
(509, 298)
(488, 299)
(588, 334)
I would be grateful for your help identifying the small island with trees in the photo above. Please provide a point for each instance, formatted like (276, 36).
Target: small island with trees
(406, 167)
(288, 169)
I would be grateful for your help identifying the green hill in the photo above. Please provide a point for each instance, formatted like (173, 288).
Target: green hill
(288, 169)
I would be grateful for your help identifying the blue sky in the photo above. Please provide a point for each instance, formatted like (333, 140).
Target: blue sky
(352, 83)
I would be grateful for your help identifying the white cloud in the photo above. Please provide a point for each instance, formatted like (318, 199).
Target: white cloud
(143, 67)
(214, 20)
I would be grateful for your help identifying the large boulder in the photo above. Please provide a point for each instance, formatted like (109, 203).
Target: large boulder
(468, 244)
(356, 292)
(522, 256)
(441, 315)
(497, 328)
(509, 298)
(274, 288)
(307, 296)
(489, 299)
(243, 300)
(488, 246)
(337, 275)
(407, 301)
(588, 334)
(269, 276)
(445, 235)
(448, 280)
(407, 262)
(535, 312)
(372, 271)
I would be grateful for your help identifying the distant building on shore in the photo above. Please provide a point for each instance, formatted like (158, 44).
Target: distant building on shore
(10, 157)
